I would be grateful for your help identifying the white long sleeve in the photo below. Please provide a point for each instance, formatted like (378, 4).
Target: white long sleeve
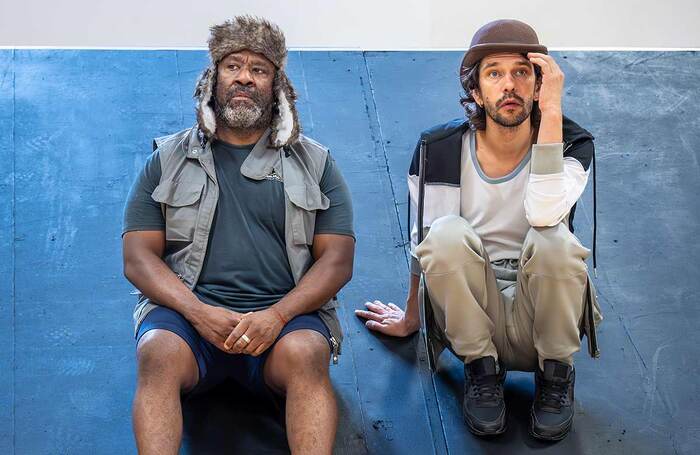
(554, 185)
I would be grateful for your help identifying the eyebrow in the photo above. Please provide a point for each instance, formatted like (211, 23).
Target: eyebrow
(254, 60)
(519, 62)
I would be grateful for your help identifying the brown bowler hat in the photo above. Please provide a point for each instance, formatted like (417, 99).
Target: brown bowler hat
(504, 35)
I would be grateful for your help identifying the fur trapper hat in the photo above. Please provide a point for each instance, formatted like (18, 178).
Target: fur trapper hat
(263, 37)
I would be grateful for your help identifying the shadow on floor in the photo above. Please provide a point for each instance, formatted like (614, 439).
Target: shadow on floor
(228, 419)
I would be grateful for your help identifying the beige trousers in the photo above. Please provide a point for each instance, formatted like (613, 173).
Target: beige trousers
(521, 311)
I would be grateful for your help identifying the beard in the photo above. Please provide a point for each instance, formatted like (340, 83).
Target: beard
(254, 113)
(492, 110)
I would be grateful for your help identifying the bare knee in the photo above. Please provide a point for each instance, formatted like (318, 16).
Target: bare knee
(165, 358)
(301, 356)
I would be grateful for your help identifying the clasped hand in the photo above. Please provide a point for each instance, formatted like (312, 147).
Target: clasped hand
(237, 333)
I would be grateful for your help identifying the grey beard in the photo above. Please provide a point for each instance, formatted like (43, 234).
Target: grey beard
(245, 117)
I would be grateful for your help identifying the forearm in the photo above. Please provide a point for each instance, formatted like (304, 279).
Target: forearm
(554, 185)
(156, 281)
(412, 311)
(545, 196)
(550, 130)
(322, 282)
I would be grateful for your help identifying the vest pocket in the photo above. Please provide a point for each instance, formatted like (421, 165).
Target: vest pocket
(180, 204)
(305, 200)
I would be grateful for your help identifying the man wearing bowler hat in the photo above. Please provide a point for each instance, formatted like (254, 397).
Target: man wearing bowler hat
(507, 279)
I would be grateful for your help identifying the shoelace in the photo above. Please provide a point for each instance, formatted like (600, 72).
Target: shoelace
(553, 394)
(486, 389)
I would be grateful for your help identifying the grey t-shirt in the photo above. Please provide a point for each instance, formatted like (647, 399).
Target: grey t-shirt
(246, 266)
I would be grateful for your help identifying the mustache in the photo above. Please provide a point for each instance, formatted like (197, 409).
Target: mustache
(249, 92)
(509, 98)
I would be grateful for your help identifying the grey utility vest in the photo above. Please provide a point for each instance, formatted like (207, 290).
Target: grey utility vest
(188, 193)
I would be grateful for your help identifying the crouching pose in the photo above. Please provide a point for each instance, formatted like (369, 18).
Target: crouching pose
(506, 277)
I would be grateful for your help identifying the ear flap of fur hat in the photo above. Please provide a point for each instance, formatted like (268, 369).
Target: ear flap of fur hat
(285, 123)
(206, 117)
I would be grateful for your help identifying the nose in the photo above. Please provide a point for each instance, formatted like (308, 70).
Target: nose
(508, 83)
(244, 76)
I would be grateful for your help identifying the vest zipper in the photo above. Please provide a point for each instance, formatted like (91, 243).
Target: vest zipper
(209, 223)
(335, 350)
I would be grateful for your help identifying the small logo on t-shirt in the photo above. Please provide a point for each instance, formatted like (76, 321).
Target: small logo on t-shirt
(273, 176)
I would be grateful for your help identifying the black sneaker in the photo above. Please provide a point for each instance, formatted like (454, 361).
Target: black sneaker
(484, 407)
(553, 409)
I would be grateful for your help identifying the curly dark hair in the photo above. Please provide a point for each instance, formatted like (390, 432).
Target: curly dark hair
(469, 78)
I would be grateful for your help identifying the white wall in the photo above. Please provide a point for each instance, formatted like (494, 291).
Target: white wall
(358, 24)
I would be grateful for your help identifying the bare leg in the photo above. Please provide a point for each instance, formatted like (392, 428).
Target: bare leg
(298, 368)
(166, 368)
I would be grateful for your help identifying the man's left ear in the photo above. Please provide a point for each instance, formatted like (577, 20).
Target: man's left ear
(477, 97)
(538, 85)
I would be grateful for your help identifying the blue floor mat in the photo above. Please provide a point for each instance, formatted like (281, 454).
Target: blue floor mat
(76, 127)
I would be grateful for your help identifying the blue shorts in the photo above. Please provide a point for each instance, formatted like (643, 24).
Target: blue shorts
(216, 366)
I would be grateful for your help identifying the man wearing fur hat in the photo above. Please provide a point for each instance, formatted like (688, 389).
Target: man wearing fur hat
(506, 277)
(238, 234)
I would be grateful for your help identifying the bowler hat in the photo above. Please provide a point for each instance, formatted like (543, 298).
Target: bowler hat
(504, 35)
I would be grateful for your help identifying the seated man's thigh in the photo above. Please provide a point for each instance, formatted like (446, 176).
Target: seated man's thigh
(165, 357)
(302, 355)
